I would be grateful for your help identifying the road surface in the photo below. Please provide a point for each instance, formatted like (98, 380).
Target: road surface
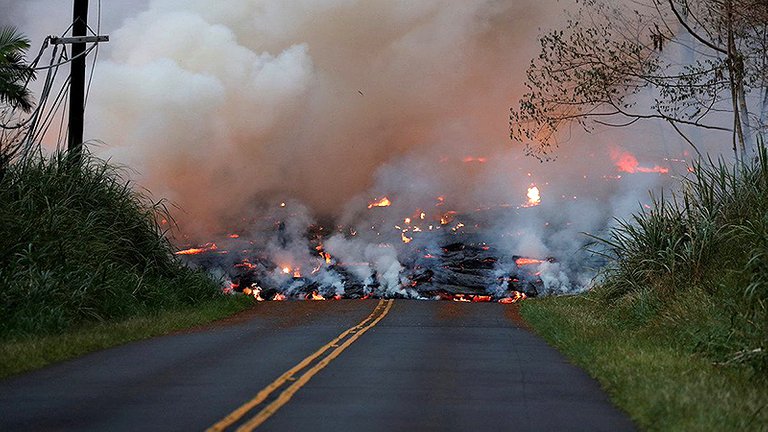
(348, 365)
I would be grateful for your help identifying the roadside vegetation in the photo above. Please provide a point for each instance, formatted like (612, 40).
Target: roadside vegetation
(677, 331)
(80, 253)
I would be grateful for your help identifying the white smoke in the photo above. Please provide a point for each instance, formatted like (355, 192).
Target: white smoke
(228, 107)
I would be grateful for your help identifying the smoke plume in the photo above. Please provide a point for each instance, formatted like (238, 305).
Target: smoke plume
(227, 108)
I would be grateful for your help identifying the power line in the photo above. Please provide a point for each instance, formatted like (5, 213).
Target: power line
(95, 54)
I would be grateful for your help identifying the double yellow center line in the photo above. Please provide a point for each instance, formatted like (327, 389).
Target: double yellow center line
(348, 337)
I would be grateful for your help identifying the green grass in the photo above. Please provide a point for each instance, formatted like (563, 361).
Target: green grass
(85, 264)
(653, 371)
(79, 245)
(677, 330)
(32, 352)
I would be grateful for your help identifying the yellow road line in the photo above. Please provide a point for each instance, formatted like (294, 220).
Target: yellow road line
(286, 395)
(235, 415)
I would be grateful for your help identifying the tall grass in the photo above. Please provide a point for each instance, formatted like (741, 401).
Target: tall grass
(78, 244)
(700, 257)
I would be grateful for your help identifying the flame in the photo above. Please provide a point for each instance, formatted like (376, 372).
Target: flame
(279, 297)
(315, 296)
(297, 272)
(229, 289)
(245, 264)
(381, 202)
(516, 297)
(255, 292)
(234, 236)
(627, 162)
(527, 261)
(405, 238)
(326, 256)
(286, 270)
(208, 247)
(481, 298)
(447, 217)
(460, 298)
(534, 196)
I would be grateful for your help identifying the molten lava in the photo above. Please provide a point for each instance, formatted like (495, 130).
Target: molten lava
(516, 297)
(315, 296)
(627, 162)
(208, 247)
(381, 202)
(527, 261)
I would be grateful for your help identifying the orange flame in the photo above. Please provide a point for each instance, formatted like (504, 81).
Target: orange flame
(527, 261)
(255, 292)
(627, 162)
(381, 202)
(405, 238)
(460, 298)
(534, 196)
(516, 297)
(315, 296)
(279, 297)
(447, 217)
(208, 247)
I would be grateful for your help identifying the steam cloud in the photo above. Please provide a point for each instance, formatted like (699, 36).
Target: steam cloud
(229, 107)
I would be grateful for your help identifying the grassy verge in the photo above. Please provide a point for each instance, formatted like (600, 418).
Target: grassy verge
(85, 264)
(658, 377)
(32, 352)
(677, 332)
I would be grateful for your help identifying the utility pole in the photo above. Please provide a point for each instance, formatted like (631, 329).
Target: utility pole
(77, 80)
(77, 74)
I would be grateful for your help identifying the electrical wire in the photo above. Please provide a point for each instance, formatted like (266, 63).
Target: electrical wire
(42, 118)
(95, 54)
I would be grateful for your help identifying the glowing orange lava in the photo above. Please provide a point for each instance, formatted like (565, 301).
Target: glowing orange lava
(627, 162)
(208, 247)
(527, 261)
(315, 296)
(381, 202)
(516, 297)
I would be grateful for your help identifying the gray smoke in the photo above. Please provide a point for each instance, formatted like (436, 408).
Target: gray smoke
(228, 108)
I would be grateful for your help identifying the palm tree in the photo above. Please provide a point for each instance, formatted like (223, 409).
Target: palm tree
(14, 72)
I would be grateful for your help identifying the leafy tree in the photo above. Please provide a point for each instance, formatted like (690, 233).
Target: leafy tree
(694, 60)
(14, 73)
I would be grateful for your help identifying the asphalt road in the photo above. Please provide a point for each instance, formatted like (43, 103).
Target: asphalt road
(352, 365)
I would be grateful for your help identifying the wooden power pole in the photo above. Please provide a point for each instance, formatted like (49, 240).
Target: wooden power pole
(77, 74)
(77, 80)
